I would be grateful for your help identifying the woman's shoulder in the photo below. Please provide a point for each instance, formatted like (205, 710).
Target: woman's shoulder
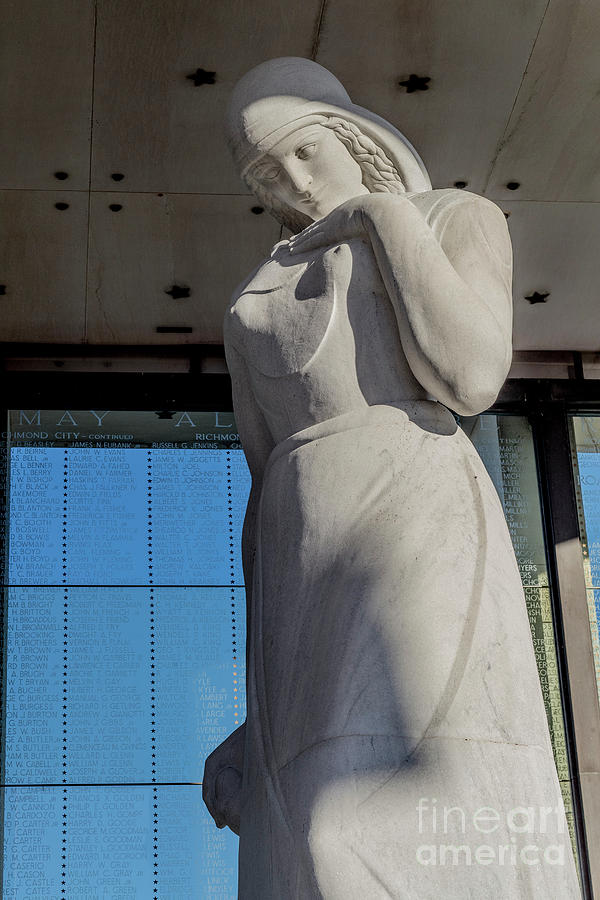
(439, 206)
(465, 222)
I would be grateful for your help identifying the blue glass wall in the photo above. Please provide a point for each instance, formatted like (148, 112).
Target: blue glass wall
(124, 635)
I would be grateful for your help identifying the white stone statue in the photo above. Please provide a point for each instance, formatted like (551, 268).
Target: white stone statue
(396, 744)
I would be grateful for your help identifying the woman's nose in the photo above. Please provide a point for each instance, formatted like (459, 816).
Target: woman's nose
(300, 179)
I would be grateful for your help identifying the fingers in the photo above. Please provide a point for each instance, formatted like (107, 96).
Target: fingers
(226, 794)
(229, 790)
(208, 789)
(315, 235)
(210, 800)
(309, 239)
(221, 791)
(228, 754)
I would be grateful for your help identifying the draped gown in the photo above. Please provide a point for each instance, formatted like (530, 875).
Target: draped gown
(391, 666)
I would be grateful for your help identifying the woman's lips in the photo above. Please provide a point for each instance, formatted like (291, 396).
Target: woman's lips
(310, 197)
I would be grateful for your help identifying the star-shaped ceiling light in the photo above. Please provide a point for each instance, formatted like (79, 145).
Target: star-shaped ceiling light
(201, 76)
(538, 297)
(178, 292)
(415, 83)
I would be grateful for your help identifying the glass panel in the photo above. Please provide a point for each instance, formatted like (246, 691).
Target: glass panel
(505, 444)
(125, 508)
(585, 454)
(120, 684)
(118, 842)
(123, 619)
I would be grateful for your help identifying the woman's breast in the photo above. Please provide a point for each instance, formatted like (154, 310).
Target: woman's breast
(282, 315)
(320, 337)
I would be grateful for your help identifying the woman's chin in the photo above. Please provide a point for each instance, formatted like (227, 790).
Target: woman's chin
(319, 212)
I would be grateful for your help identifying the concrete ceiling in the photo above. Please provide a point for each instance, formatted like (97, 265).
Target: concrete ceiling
(100, 88)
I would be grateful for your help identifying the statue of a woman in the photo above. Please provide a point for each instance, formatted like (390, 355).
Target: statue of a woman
(396, 744)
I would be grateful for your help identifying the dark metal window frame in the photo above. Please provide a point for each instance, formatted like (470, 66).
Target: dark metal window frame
(547, 404)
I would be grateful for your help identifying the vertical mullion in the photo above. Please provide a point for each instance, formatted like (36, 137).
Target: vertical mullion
(574, 645)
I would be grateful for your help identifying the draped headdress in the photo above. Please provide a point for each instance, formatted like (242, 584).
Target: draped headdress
(281, 95)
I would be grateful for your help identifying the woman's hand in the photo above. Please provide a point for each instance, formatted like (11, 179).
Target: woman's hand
(352, 219)
(222, 780)
(341, 224)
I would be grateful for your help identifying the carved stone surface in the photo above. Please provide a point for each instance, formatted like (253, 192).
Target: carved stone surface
(391, 672)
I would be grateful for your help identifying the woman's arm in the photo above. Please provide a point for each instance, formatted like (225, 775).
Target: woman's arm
(222, 780)
(257, 443)
(452, 297)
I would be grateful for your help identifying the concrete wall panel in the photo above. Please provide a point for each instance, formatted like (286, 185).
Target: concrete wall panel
(556, 250)
(42, 266)
(205, 244)
(46, 53)
(552, 142)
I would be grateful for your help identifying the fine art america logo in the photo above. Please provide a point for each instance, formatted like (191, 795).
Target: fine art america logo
(522, 835)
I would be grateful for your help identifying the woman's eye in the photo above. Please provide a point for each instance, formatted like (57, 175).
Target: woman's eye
(307, 151)
(269, 173)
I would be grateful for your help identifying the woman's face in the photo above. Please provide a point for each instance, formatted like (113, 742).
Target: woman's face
(310, 170)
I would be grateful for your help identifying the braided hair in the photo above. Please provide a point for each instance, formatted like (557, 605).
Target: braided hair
(378, 173)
